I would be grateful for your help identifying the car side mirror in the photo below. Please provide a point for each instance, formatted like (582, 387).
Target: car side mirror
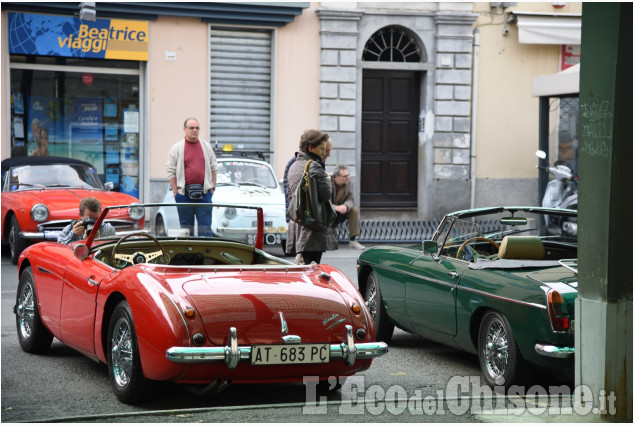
(429, 247)
(81, 251)
(109, 186)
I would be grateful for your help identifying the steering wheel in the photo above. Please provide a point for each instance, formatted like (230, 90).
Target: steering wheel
(137, 257)
(476, 238)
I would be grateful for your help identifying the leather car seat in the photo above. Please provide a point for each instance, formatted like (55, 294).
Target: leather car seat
(521, 248)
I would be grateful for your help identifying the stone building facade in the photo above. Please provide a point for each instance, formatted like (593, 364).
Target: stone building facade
(444, 41)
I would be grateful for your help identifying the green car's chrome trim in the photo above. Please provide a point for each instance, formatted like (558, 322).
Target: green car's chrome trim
(544, 307)
(401, 272)
(556, 352)
(474, 291)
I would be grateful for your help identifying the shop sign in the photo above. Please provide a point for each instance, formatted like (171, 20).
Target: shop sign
(570, 56)
(54, 35)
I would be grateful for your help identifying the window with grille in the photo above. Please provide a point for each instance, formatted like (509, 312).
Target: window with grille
(391, 44)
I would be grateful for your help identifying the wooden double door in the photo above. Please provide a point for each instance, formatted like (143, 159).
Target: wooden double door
(390, 125)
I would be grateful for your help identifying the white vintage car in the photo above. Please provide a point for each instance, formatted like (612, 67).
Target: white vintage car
(240, 181)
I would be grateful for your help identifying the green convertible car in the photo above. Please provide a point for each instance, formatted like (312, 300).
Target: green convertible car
(491, 282)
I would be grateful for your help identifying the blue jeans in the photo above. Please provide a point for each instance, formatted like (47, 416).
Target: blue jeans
(203, 214)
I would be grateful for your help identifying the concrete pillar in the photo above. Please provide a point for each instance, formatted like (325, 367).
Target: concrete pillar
(604, 308)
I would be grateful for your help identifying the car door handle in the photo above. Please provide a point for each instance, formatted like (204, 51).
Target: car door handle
(453, 275)
(92, 282)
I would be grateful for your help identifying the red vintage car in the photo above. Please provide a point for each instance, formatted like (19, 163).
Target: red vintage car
(40, 196)
(199, 311)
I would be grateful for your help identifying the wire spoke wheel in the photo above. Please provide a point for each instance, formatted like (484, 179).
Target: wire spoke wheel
(17, 244)
(496, 350)
(13, 235)
(33, 336)
(372, 295)
(25, 311)
(371, 301)
(124, 363)
(122, 352)
(501, 362)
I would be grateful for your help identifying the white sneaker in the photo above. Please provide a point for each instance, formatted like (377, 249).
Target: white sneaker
(299, 259)
(356, 245)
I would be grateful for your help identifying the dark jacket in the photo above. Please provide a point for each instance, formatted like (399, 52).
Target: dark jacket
(301, 238)
(345, 194)
(285, 184)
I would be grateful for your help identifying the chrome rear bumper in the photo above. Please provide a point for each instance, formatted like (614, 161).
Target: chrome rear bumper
(233, 354)
(554, 351)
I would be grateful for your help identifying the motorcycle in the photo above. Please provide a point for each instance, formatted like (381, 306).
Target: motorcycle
(561, 192)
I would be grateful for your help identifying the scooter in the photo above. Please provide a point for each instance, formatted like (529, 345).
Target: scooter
(561, 192)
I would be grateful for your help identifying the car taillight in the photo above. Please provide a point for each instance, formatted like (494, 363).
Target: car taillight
(557, 311)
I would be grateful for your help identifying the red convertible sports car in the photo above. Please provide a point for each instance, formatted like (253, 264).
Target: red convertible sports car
(199, 311)
(41, 195)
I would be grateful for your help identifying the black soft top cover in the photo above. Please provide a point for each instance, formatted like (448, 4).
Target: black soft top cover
(40, 160)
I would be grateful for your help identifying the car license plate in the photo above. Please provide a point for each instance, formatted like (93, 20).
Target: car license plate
(289, 354)
(270, 239)
(267, 223)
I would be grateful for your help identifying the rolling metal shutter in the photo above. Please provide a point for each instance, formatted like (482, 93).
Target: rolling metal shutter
(240, 88)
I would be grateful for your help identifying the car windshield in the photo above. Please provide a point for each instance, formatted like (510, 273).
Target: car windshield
(51, 175)
(456, 236)
(181, 221)
(239, 172)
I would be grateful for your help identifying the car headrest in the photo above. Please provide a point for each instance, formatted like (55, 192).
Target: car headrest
(521, 248)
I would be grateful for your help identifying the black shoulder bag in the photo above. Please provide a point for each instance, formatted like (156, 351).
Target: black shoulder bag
(306, 209)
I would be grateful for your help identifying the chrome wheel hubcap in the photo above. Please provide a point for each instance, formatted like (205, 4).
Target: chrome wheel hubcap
(121, 353)
(25, 311)
(496, 351)
(12, 238)
(370, 302)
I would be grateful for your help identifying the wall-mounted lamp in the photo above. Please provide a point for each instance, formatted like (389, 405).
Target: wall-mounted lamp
(87, 11)
(511, 18)
(502, 5)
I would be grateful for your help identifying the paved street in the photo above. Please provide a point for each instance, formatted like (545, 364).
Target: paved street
(417, 381)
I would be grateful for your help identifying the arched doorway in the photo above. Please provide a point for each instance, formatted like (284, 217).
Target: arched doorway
(390, 121)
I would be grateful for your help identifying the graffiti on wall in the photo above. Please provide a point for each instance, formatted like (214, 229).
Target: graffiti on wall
(597, 128)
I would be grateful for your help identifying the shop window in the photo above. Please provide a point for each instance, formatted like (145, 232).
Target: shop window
(86, 115)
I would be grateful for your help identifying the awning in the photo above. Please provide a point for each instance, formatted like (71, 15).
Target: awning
(235, 13)
(560, 84)
(548, 28)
